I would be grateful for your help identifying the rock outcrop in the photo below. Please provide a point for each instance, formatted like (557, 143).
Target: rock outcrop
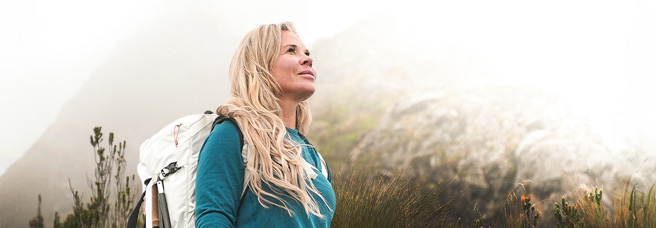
(491, 140)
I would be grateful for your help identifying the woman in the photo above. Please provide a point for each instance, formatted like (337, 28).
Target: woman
(271, 77)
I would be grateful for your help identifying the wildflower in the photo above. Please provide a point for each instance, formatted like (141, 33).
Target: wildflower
(522, 198)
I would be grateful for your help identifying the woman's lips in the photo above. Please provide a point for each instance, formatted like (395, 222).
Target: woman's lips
(307, 72)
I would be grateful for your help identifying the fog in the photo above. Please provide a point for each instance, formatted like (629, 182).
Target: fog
(597, 55)
(49, 49)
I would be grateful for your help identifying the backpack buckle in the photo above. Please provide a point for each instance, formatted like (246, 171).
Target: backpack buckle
(169, 169)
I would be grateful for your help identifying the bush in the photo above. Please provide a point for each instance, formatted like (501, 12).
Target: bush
(103, 209)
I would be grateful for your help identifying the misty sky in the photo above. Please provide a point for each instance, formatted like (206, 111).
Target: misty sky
(599, 55)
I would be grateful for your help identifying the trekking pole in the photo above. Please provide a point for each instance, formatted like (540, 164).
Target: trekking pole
(162, 206)
(163, 209)
(154, 209)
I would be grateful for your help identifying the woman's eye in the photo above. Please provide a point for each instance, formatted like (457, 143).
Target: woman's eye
(292, 50)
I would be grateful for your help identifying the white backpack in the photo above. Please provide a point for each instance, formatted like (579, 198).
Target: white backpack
(170, 159)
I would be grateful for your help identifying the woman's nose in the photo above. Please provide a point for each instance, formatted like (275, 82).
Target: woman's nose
(307, 61)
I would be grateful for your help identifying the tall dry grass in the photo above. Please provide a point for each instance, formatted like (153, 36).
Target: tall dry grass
(398, 199)
(367, 199)
(636, 207)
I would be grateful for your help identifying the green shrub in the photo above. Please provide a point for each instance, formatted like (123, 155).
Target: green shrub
(520, 212)
(567, 215)
(103, 209)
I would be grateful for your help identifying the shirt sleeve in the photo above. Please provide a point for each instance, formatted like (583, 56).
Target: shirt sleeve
(219, 178)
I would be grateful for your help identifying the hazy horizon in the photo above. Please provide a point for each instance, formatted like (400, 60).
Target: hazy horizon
(47, 58)
(599, 57)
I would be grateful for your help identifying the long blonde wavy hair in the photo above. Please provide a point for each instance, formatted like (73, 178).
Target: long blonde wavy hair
(274, 160)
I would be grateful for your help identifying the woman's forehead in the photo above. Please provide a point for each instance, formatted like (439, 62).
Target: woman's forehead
(289, 38)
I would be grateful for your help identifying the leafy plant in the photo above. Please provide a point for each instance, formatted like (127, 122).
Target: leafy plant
(588, 211)
(529, 218)
(519, 210)
(477, 223)
(567, 215)
(102, 210)
(37, 221)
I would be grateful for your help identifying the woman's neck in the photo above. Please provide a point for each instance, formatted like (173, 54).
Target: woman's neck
(288, 113)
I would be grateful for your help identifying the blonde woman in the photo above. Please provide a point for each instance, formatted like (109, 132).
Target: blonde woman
(271, 77)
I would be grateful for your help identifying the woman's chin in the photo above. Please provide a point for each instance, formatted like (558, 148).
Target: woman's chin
(307, 92)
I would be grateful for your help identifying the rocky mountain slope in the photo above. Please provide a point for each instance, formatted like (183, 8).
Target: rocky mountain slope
(492, 140)
(170, 69)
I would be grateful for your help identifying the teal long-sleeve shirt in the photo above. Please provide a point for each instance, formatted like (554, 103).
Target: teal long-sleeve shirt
(219, 180)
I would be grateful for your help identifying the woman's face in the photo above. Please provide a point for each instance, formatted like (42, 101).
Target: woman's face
(293, 69)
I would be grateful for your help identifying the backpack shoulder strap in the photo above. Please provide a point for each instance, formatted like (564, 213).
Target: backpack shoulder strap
(324, 165)
(244, 150)
(134, 215)
(219, 119)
